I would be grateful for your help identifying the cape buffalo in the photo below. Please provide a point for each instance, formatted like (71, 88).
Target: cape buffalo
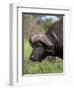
(49, 43)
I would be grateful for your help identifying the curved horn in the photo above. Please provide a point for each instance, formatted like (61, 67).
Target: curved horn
(41, 37)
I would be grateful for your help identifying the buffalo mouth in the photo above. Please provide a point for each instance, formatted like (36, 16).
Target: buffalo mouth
(40, 58)
(35, 59)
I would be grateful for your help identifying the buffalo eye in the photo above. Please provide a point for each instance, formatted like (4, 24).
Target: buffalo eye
(39, 45)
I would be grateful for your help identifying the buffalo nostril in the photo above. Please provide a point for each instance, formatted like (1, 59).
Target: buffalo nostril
(32, 57)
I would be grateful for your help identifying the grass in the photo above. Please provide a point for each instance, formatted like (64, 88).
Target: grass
(48, 65)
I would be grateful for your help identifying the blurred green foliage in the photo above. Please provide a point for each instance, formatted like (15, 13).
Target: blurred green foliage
(46, 24)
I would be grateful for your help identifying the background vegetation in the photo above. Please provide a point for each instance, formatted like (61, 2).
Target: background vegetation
(36, 24)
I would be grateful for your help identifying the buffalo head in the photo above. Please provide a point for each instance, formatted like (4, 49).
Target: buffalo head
(42, 47)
